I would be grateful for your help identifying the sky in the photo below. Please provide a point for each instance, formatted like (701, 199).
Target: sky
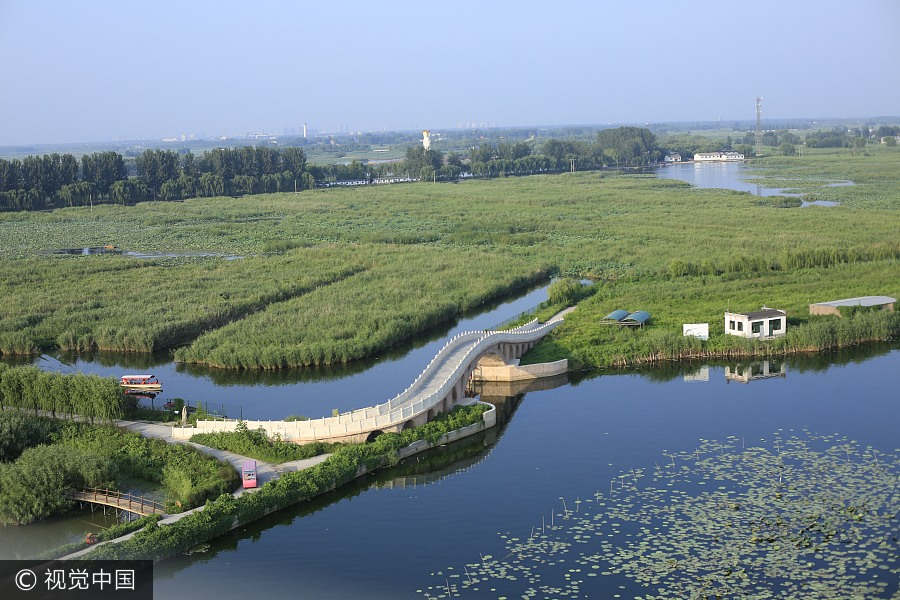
(112, 70)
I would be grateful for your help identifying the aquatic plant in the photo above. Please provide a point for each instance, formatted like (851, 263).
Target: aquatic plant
(796, 515)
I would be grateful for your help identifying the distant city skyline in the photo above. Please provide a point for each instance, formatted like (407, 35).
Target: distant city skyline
(106, 71)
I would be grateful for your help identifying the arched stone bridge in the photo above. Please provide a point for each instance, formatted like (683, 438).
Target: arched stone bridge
(440, 386)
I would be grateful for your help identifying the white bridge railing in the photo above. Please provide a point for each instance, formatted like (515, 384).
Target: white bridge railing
(406, 405)
(460, 352)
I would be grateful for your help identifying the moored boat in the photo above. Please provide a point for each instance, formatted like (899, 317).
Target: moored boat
(141, 382)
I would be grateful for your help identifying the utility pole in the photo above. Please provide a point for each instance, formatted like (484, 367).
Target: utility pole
(758, 149)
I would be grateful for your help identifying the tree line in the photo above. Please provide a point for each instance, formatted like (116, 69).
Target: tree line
(88, 396)
(615, 147)
(60, 180)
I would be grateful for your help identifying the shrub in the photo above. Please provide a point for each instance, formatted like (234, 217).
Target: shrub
(19, 431)
(256, 444)
(89, 396)
(38, 484)
(218, 516)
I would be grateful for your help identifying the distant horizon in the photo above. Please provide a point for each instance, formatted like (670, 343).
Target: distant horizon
(325, 133)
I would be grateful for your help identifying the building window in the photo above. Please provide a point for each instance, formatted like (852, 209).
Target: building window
(756, 326)
(740, 325)
(731, 325)
(775, 325)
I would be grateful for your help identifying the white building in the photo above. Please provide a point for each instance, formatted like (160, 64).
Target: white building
(718, 156)
(765, 323)
(672, 158)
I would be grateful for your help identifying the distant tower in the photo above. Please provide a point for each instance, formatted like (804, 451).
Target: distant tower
(426, 139)
(758, 140)
(305, 131)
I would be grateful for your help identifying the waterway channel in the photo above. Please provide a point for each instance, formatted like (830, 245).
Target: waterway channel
(402, 530)
(307, 392)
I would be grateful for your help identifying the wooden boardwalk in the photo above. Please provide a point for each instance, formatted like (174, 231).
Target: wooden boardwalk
(127, 502)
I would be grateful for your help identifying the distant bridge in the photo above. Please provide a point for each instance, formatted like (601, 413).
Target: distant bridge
(440, 386)
(120, 501)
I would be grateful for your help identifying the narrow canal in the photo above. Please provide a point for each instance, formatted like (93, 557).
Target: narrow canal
(307, 392)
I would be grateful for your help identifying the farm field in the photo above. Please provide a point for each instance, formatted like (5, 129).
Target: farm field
(331, 276)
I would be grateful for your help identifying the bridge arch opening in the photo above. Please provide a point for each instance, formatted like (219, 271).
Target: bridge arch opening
(408, 425)
(373, 435)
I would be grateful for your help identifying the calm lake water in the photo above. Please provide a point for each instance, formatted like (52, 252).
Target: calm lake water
(731, 176)
(388, 535)
(383, 537)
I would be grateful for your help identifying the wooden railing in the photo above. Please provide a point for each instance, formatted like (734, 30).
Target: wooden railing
(123, 501)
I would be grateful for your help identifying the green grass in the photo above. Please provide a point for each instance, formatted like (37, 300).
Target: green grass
(875, 172)
(336, 275)
(220, 515)
(589, 343)
(63, 457)
(123, 304)
(403, 294)
(256, 444)
(110, 533)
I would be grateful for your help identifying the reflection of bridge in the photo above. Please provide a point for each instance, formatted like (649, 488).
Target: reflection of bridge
(120, 501)
(436, 390)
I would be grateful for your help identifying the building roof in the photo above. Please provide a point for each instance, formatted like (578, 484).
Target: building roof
(860, 301)
(616, 315)
(639, 316)
(765, 313)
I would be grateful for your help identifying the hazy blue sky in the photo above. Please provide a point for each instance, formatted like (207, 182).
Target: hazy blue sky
(103, 70)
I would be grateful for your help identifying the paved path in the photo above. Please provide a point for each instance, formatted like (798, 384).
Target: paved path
(264, 471)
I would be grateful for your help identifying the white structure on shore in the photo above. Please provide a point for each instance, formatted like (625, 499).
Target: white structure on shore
(672, 158)
(764, 323)
(717, 156)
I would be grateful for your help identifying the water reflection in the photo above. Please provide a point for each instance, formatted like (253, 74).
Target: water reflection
(94, 250)
(762, 369)
(555, 443)
(311, 392)
(733, 176)
(722, 175)
(695, 371)
(27, 541)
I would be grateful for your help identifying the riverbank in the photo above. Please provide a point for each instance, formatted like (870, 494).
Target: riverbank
(350, 462)
(45, 460)
(588, 342)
